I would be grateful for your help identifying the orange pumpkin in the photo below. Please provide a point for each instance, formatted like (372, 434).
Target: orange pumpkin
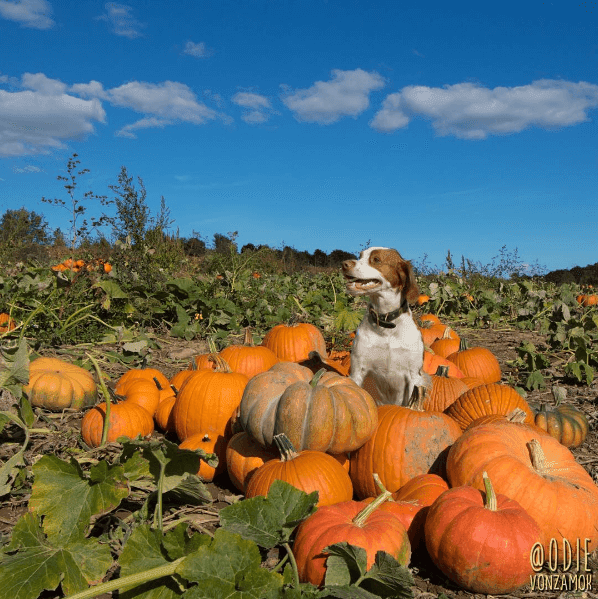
(210, 443)
(534, 470)
(490, 398)
(362, 526)
(293, 342)
(324, 412)
(163, 414)
(141, 373)
(447, 344)
(6, 323)
(249, 359)
(445, 390)
(208, 402)
(142, 392)
(407, 442)
(477, 361)
(306, 470)
(244, 456)
(433, 361)
(127, 419)
(56, 385)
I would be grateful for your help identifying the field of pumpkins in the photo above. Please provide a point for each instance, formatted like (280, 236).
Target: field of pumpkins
(470, 490)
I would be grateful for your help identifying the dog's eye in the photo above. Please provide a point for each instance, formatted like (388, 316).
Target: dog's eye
(375, 259)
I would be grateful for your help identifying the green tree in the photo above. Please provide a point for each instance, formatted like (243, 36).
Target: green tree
(23, 227)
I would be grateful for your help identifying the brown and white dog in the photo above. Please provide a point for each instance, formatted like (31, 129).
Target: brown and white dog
(388, 347)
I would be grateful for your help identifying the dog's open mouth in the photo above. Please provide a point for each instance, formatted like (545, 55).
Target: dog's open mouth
(361, 284)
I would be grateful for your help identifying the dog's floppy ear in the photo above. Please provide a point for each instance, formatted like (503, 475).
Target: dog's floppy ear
(407, 277)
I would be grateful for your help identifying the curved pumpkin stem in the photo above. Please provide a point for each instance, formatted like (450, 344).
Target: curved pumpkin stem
(365, 513)
(221, 365)
(490, 503)
(537, 456)
(516, 415)
(248, 339)
(316, 378)
(285, 447)
(442, 370)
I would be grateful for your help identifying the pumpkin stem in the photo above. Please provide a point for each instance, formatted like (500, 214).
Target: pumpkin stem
(463, 345)
(160, 388)
(248, 339)
(442, 370)
(365, 513)
(416, 402)
(447, 333)
(221, 365)
(490, 502)
(539, 463)
(316, 378)
(285, 447)
(516, 415)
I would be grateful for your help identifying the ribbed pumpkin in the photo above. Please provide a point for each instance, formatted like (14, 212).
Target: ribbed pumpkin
(490, 398)
(483, 542)
(56, 385)
(249, 359)
(566, 424)
(127, 419)
(306, 470)
(534, 470)
(210, 443)
(362, 526)
(476, 361)
(244, 456)
(406, 443)
(447, 344)
(208, 402)
(163, 415)
(445, 390)
(293, 342)
(324, 412)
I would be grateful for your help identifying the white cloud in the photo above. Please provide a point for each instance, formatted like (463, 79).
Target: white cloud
(42, 114)
(326, 102)
(198, 50)
(166, 102)
(470, 111)
(93, 89)
(35, 14)
(27, 169)
(145, 123)
(258, 108)
(121, 20)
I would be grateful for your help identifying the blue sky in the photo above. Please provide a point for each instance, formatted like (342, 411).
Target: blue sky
(317, 124)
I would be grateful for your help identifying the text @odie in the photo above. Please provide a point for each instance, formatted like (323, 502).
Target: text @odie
(570, 559)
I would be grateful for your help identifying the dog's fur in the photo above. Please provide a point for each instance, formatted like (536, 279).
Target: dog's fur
(388, 348)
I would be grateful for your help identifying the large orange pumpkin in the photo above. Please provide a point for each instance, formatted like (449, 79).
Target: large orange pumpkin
(362, 526)
(490, 398)
(445, 390)
(324, 412)
(306, 470)
(293, 342)
(406, 443)
(56, 385)
(481, 542)
(208, 402)
(534, 470)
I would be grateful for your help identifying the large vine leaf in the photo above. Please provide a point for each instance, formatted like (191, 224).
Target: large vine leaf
(69, 499)
(147, 549)
(33, 562)
(229, 567)
(269, 521)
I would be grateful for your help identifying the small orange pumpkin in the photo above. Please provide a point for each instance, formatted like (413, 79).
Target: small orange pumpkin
(293, 342)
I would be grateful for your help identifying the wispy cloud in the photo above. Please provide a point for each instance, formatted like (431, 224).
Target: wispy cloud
(470, 111)
(35, 14)
(258, 108)
(326, 102)
(199, 50)
(30, 168)
(122, 22)
(162, 103)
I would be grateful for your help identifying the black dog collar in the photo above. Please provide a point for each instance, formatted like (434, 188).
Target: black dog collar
(385, 320)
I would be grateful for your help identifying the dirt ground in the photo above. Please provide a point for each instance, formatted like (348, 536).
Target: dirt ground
(174, 355)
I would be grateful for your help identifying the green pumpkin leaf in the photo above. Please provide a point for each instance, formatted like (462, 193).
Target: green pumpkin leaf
(269, 521)
(33, 562)
(69, 499)
(229, 567)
